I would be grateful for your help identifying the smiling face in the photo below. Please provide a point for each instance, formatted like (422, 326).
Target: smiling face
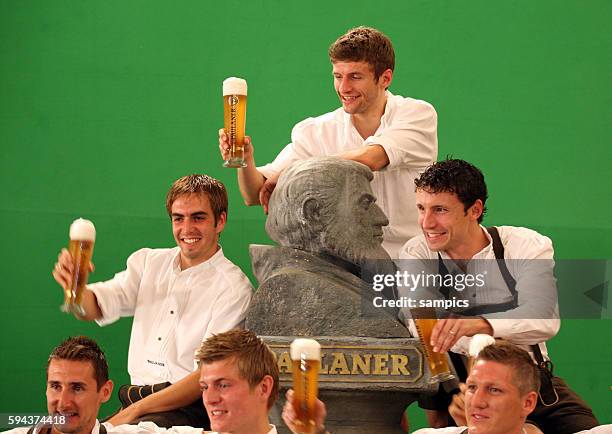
(493, 403)
(194, 228)
(232, 405)
(72, 392)
(447, 226)
(359, 91)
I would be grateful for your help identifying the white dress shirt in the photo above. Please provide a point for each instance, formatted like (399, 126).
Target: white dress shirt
(408, 134)
(174, 310)
(529, 257)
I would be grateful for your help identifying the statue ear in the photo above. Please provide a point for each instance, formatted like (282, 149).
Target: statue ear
(311, 211)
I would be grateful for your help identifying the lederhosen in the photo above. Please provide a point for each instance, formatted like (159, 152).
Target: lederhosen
(559, 410)
(47, 430)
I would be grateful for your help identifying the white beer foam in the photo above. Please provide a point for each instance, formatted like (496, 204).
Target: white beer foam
(234, 86)
(478, 342)
(83, 230)
(308, 349)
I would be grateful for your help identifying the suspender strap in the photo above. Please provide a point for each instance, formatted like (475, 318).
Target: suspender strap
(498, 249)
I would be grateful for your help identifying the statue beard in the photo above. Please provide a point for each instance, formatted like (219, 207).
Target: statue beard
(368, 255)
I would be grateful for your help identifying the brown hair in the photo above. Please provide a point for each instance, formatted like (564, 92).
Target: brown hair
(199, 184)
(364, 44)
(255, 360)
(526, 376)
(82, 349)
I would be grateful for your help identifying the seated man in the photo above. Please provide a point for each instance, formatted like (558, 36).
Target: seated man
(501, 391)
(517, 301)
(238, 377)
(77, 385)
(178, 297)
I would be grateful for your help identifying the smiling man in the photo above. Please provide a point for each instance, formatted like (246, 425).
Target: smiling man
(395, 137)
(517, 300)
(77, 385)
(178, 297)
(501, 390)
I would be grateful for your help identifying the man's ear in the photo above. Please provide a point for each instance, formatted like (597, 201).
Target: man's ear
(529, 402)
(386, 78)
(265, 387)
(311, 211)
(106, 391)
(221, 222)
(476, 209)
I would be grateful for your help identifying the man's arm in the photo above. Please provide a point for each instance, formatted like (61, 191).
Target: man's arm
(250, 180)
(62, 273)
(180, 394)
(373, 156)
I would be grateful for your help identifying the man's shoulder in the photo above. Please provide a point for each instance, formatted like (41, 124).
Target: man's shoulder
(327, 120)
(521, 240)
(232, 274)
(416, 248)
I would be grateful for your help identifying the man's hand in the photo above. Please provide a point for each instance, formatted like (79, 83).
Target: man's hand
(290, 416)
(62, 271)
(457, 407)
(448, 331)
(266, 191)
(224, 147)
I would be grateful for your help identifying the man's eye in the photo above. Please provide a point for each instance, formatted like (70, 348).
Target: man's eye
(77, 388)
(495, 390)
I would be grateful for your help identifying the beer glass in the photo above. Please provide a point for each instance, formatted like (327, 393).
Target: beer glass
(82, 239)
(234, 119)
(425, 321)
(306, 362)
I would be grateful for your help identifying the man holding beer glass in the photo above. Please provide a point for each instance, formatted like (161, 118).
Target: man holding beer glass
(178, 297)
(373, 127)
(518, 300)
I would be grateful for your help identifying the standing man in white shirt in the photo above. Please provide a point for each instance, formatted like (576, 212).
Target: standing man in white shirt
(178, 297)
(395, 137)
(517, 301)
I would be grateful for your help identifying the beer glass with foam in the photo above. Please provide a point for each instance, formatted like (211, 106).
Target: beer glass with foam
(425, 321)
(234, 119)
(82, 239)
(306, 362)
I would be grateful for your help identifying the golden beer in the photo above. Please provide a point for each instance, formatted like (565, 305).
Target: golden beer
(425, 321)
(234, 119)
(306, 362)
(82, 239)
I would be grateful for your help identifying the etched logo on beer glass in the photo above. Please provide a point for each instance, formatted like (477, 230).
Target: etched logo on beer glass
(234, 119)
(306, 362)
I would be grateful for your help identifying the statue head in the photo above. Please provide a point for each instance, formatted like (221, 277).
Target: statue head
(326, 205)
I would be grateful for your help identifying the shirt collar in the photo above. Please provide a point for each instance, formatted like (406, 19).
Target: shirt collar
(484, 253)
(210, 262)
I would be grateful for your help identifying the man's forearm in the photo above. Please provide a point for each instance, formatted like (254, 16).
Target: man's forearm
(250, 181)
(179, 394)
(90, 306)
(373, 156)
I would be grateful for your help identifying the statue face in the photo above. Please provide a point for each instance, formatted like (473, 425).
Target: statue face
(355, 231)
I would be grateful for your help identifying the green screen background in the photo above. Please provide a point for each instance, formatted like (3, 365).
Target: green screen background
(104, 104)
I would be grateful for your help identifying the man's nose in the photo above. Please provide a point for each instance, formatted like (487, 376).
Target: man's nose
(380, 217)
(427, 220)
(345, 85)
(64, 399)
(210, 396)
(479, 399)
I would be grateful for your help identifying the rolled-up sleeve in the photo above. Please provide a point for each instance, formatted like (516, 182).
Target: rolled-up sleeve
(410, 139)
(117, 297)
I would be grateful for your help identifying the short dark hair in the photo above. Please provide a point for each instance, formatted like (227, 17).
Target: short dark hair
(199, 184)
(82, 349)
(364, 44)
(526, 375)
(254, 358)
(458, 177)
